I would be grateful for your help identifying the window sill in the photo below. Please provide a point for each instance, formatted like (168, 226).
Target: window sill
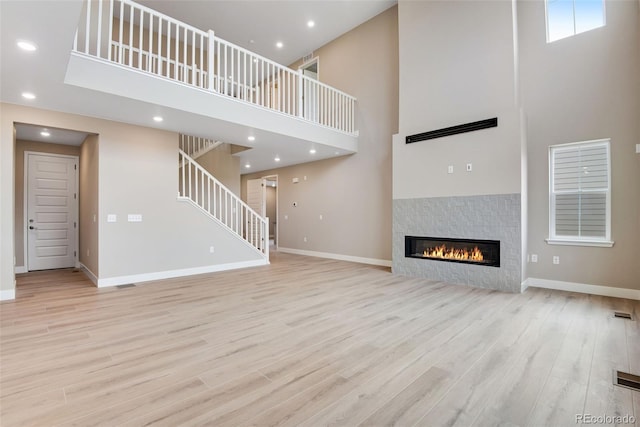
(569, 242)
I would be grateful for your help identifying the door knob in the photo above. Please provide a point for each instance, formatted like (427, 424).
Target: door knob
(31, 227)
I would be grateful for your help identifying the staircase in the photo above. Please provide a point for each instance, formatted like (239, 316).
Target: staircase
(200, 188)
(195, 146)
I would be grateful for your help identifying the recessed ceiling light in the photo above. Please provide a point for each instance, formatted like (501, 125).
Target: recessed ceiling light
(312, 151)
(247, 166)
(251, 138)
(28, 95)
(337, 152)
(45, 133)
(273, 184)
(311, 24)
(26, 45)
(279, 45)
(157, 119)
(277, 159)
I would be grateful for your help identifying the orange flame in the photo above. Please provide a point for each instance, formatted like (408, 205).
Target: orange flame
(450, 253)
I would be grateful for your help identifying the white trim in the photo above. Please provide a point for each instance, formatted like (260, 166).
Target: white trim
(568, 242)
(524, 285)
(19, 269)
(8, 294)
(583, 288)
(145, 277)
(340, 257)
(89, 273)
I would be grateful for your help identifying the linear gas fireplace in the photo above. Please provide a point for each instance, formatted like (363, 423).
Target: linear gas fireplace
(468, 251)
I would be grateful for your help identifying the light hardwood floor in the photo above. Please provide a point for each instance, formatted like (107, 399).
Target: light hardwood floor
(309, 342)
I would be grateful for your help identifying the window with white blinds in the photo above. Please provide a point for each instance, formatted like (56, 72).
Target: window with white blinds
(580, 193)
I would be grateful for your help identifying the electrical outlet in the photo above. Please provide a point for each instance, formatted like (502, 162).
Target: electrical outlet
(295, 204)
(556, 259)
(450, 169)
(134, 218)
(211, 249)
(469, 167)
(534, 258)
(286, 217)
(304, 239)
(320, 217)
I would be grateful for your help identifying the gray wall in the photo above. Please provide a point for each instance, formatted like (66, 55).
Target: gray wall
(353, 193)
(457, 66)
(582, 88)
(223, 166)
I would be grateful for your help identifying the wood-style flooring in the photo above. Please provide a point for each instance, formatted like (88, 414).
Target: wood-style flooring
(309, 342)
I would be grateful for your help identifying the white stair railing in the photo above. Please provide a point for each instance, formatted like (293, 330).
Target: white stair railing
(201, 188)
(135, 36)
(195, 146)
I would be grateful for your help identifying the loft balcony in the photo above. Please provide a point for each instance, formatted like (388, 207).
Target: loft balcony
(129, 50)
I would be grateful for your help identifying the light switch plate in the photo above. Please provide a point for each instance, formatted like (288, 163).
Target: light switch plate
(112, 218)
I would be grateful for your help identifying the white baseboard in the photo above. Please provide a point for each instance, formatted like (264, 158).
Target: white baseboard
(524, 285)
(19, 269)
(7, 295)
(361, 260)
(89, 273)
(146, 277)
(584, 288)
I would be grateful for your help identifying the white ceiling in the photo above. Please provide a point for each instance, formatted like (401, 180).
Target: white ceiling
(266, 22)
(51, 25)
(31, 132)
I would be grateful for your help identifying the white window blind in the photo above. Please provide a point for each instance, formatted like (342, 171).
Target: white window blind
(580, 191)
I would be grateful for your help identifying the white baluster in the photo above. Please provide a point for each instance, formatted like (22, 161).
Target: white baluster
(88, 29)
(99, 41)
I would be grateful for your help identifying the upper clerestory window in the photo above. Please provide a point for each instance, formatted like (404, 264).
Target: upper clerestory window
(567, 18)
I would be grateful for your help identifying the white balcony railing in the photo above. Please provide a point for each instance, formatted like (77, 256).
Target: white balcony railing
(132, 35)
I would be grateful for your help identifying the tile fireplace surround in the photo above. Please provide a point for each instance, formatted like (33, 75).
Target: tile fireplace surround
(490, 217)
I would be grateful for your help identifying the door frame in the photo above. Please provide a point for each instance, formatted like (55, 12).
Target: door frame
(276, 235)
(305, 106)
(76, 204)
(309, 63)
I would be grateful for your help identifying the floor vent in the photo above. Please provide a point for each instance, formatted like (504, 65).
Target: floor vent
(621, 315)
(624, 379)
(130, 285)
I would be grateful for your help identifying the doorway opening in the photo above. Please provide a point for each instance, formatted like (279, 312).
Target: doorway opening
(262, 197)
(47, 208)
(310, 94)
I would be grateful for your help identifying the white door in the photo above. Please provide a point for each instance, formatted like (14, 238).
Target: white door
(51, 211)
(256, 196)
